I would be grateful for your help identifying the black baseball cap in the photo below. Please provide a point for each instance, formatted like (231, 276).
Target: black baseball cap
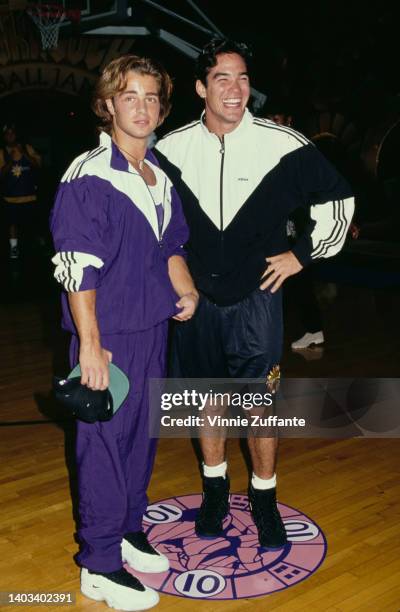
(87, 404)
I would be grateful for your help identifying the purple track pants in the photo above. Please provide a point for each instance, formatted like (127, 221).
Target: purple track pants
(115, 458)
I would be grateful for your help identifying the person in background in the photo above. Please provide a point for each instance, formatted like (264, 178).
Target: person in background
(19, 165)
(302, 284)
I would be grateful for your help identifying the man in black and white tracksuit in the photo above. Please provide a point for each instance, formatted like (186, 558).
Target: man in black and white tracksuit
(239, 178)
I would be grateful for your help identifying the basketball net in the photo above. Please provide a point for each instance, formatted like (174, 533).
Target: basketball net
(48, 18)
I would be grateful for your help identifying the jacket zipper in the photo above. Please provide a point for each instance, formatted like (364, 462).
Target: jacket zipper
(221, 198)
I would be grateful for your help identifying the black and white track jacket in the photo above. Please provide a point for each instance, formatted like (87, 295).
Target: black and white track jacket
(237, 194)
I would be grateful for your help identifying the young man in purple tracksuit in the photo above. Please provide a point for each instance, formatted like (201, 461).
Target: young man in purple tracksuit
(118, 231)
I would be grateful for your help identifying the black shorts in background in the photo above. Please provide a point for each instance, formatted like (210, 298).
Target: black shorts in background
(22, 215)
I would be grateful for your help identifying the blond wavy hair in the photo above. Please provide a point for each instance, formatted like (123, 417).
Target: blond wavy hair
(114, 78)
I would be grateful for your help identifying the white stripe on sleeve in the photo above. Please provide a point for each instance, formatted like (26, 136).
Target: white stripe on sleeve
(70, 266)
(332, 222)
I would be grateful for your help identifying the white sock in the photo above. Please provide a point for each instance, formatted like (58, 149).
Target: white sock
(263, 483)
(13, 242)
(213, 471)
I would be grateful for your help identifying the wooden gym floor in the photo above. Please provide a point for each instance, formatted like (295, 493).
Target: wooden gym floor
(351, 488)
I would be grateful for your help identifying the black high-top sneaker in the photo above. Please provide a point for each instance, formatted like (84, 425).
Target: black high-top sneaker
(271, 530)
(214, 507)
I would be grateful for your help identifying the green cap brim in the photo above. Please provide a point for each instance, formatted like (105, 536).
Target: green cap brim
(118, 387)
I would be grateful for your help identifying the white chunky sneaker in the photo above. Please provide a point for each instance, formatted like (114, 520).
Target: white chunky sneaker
(14, 252)
(140, 555)
(308, 340)
(120, 590)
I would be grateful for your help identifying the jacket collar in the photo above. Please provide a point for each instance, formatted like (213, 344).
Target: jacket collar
(243, 126)
(117, 160)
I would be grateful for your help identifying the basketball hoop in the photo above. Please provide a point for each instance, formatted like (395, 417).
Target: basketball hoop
(48, 18)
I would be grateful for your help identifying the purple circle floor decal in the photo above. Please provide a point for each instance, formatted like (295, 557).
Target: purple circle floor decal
(233, 566)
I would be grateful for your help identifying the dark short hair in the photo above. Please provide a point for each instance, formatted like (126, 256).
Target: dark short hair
(114, 78)
(276, 105)
(207, 58)
(9, 126)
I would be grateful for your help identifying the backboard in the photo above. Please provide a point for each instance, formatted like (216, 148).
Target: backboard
(93, 13)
